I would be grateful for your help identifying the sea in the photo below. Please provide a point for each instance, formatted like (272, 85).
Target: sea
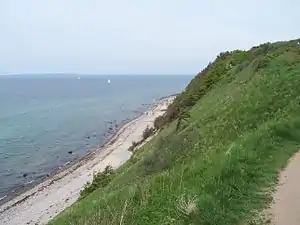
(49, 120)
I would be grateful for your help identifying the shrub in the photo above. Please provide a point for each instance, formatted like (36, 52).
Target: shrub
(157, 161)
(133, 145)
(148, 132)
(100, 179)
(159, 122)
(183, 117)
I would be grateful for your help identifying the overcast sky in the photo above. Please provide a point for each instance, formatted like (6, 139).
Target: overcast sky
(135, 36)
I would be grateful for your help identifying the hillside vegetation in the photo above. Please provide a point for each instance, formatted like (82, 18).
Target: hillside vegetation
(219, 150)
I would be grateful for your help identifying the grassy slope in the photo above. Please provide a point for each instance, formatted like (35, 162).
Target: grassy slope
(220, 166)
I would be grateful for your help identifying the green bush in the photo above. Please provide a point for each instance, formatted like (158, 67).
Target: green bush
(133, 145)
(157, 161)
(159, 122)
(100, 179)
(148, 132)
(183, 118)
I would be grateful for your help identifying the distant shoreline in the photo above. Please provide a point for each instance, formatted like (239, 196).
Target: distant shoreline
(29, 185)
(169, 96)
(115, 146)
(76, 162)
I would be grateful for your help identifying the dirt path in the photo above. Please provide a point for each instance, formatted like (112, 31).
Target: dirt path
(285, 209)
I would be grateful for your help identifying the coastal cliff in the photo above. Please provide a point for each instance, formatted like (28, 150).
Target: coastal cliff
(218, 151)
(221, 145)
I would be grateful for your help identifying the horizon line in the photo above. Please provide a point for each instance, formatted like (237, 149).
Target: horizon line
(93, 74)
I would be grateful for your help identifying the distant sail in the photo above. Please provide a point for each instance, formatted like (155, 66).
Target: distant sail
(78, 78)
(108, 81)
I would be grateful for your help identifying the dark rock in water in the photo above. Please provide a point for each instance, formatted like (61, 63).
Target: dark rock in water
(25, 174)
(88, 137)
(70, 152)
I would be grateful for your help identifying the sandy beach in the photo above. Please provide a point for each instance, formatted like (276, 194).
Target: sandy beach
(43, 202)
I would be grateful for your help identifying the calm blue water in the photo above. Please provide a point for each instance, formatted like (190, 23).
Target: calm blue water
(42, 118)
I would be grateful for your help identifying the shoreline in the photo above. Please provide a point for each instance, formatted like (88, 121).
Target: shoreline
(18, 191)
(76, 161)
(45, 200)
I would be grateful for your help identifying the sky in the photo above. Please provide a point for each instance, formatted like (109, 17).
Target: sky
(135, 36)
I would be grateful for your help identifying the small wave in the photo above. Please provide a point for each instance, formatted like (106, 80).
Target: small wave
(3, 197)
(67, 163)
(29, 182)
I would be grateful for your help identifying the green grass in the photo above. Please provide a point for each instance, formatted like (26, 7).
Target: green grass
(222, 165)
